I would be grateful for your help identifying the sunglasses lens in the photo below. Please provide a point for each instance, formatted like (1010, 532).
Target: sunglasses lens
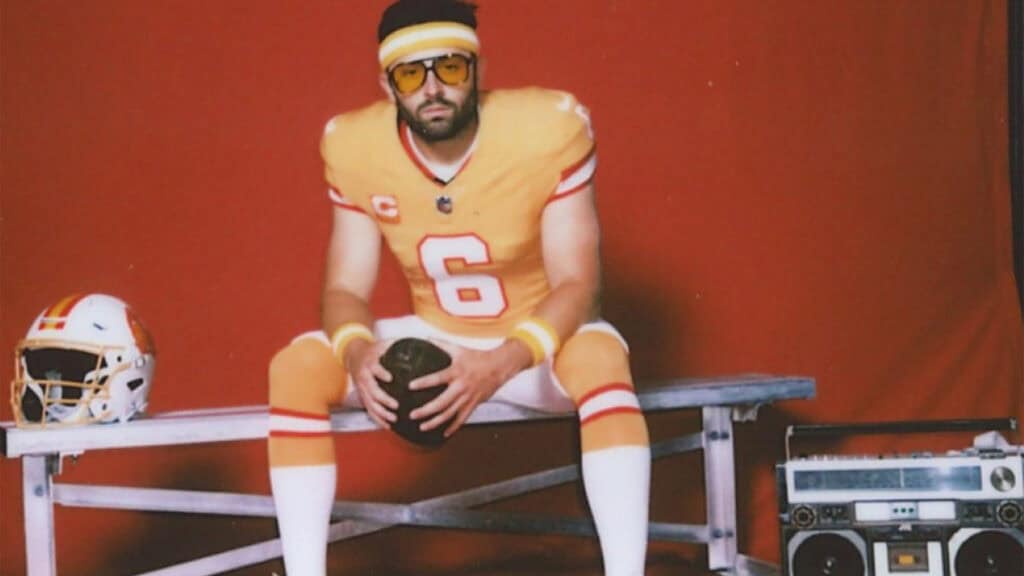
(452, 70)
(408, 77)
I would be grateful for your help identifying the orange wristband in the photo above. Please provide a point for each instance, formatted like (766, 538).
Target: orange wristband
(539, 337)
(346, 333)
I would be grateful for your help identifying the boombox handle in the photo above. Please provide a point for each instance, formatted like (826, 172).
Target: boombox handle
(899, 427)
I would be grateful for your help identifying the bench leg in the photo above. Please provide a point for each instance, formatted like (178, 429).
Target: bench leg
(720, 487)
(37, 498)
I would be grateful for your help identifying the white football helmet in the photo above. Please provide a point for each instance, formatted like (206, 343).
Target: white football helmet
(85, 359)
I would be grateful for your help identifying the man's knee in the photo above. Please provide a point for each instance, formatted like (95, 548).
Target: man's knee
(305, 376)
(589, 360)
(593, 367)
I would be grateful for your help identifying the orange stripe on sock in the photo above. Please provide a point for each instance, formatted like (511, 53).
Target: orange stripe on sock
(603, 389)
(299, 414)
(622, 429)
(609, 412)
(292, 434)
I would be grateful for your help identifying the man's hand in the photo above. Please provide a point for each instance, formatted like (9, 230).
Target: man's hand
(473, 377)
(362, 359)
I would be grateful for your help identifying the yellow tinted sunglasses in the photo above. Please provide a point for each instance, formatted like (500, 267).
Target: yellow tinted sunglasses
(450, 69)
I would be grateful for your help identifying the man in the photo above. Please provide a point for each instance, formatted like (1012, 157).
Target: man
(486, 199)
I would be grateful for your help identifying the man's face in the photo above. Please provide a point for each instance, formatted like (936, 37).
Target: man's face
(437, 110)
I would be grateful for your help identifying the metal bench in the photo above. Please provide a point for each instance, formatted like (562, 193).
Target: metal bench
(721, 400)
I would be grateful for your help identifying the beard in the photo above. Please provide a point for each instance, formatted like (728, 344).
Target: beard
(442, 129)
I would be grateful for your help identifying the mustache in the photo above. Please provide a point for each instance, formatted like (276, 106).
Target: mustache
(435, 102)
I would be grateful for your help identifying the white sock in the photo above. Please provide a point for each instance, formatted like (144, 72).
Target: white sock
(617, 482)
(303, 496)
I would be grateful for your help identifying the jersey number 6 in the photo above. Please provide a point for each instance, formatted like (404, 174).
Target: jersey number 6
(466, 295)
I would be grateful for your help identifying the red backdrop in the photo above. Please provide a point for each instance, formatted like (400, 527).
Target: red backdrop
(814, 188)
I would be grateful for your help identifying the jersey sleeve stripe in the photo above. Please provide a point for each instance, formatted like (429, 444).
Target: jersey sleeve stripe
(351, 207)
(341, 202)
(567, 193)
(576, 177)
(589, 158)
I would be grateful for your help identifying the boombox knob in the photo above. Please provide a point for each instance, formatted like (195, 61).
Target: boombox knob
(803, 516)
(1003, 479)
(1009, 513)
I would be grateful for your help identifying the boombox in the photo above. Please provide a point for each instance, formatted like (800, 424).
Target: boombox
(956, 514)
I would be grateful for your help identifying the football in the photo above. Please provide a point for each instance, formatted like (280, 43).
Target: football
(406, 360)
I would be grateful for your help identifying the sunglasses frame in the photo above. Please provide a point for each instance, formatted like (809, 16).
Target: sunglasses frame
(429, 65)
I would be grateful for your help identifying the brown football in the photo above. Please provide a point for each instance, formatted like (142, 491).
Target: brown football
(406, 360)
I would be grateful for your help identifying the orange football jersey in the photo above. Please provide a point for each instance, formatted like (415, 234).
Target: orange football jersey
(476, 269)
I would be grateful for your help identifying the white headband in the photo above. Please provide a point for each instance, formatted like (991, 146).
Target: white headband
(419, 37)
